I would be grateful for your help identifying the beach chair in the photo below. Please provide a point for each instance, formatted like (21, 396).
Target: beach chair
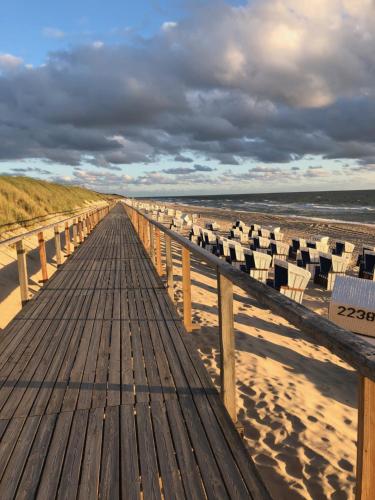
(257, 264)
(321, 243)
(212, 226)
(297, 244)
(239, 223)
(255, 227)
(276, 235)
(291, 280)
(330, 266)
(209, 241)
(194, 218)
(309, 259)
(160, 217)
(367, 266)
(223, 248)
(344, 249)
(279, 250)
(236, 254)
(261, 244)
(265, 233)
(352, 305)
(365, 248)
(195, 234)
(235, 233)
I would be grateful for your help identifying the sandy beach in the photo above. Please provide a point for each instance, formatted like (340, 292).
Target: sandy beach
(296, 401)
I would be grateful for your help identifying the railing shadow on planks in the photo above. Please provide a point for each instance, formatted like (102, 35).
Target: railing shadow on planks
(76, 229)
(349, 347)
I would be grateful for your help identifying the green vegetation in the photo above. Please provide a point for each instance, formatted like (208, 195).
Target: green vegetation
(25, 201)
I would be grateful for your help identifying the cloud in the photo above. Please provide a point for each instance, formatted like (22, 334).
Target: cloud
(53, 33)
(169, 25)
(269, 81)
(188, 170)
(30, 171)
(8, 61)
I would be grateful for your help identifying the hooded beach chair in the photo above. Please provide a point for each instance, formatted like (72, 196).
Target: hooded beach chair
(279, 250)
(344, 249)
(330, 266)
(297, 244)
(236, 254)
(223, 248)
(195, 234)
(309, 259)
(367, 266)
(291, 280)
(261, 244)
(276, 234)
(257, 264)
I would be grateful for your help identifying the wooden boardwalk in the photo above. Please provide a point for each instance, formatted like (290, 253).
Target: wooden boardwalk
(101, 393)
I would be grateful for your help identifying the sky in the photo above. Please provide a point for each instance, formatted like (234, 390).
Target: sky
(174, 97)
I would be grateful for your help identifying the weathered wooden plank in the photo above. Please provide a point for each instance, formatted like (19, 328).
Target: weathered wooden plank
(186, 289)
(147, 453)
(110, 465)
(50, 477)
(130, 475)
(89, 484)
(227, 345)
(366, 442)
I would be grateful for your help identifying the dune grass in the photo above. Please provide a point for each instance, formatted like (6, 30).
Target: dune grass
(23, 200)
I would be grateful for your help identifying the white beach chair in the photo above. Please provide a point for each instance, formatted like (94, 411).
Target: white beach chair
(291, 280)
(309, 260)
(330, 267)
(352, 305)
(344, 249)
(237, 257)
(257, 264)
(279, 250)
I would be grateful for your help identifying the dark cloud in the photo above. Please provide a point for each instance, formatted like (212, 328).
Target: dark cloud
(30, 170)
(226, 84)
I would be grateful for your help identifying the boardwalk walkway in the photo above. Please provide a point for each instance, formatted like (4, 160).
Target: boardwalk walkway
(101, 394)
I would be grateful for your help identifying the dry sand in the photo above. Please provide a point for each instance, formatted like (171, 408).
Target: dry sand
(296, 401)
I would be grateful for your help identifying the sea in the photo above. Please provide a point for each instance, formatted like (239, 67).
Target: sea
(349, 206)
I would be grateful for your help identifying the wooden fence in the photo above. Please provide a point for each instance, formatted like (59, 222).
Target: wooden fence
(75, 229)
(348, 346)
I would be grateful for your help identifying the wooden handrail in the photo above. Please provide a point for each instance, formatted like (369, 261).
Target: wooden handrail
(87, 221)
(348, 346)
(19, 237)
(355, 351)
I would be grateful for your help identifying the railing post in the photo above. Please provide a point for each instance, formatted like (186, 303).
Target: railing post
(58, 246)
(67, 239)
(366, 440)
(22, 272)
(43, 257)
(80, 229)
(159, 267)
(75, 233)
(169, 266)
(152, 242)
(227, 345)
(186, 288)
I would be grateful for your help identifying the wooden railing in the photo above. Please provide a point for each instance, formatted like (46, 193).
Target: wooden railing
(348, 346)
(76, 229)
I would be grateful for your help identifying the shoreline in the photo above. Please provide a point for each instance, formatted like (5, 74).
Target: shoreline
(304, 217)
